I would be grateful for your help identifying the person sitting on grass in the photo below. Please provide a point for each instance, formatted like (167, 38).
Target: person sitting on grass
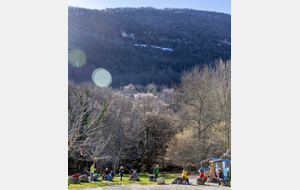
(185, 176)
(112, 174)
(95, 177)
(134, 176)
(105, 174)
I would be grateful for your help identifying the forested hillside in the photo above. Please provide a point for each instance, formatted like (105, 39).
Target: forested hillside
(146, 45)
(140, 126)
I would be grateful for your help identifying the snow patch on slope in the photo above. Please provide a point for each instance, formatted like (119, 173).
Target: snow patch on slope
(157, 47)
(124, 34)
(224, 42)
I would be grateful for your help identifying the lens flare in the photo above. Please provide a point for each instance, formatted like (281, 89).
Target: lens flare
(101, 77)
(77, 58)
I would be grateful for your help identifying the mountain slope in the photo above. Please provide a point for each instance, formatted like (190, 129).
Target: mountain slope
(146, 45)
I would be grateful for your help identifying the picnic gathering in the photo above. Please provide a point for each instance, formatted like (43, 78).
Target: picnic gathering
(217, 177)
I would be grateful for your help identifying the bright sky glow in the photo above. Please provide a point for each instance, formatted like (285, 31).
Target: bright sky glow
(223, 6)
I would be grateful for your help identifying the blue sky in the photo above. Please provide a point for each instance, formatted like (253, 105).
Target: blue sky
(223, 6)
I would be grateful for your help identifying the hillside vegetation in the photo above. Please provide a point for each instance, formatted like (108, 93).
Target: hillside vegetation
(140, 126)
(146, 45)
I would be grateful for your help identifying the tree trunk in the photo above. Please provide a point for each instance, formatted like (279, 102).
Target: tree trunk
(118, 164)
(146, 134)
(114, 164)
(147, 152)
(228, 140)
(199, 144)
(101, 162)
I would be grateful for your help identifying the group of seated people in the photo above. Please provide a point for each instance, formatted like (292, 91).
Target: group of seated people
(221, 179)
(219, 176)
(108, 176)
(184, 175)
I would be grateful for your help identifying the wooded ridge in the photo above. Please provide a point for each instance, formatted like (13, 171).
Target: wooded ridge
(146, 45)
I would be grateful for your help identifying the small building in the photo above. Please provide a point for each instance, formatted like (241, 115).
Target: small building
(215, 164)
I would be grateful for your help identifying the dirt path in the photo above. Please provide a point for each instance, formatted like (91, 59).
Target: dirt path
(168, 186)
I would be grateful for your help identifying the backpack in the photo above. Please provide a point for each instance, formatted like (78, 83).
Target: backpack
(175, 181)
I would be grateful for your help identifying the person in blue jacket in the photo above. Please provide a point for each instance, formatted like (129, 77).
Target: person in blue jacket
(121, 172)
(95, 177)
(112, 174)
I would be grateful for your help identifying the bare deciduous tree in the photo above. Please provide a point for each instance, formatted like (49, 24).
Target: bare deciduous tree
(181, 149)
(84, 122)
(195, 94)
(150, 113)
(118, 124)
(223, 96)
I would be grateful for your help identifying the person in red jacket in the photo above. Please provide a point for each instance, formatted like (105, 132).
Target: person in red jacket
(202, 175)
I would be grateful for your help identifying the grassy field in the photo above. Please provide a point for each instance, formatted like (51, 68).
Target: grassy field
(125, 181)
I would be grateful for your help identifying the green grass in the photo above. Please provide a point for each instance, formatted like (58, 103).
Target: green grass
(125, 181)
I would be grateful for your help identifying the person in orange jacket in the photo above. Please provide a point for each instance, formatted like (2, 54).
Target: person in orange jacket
(185, 175)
